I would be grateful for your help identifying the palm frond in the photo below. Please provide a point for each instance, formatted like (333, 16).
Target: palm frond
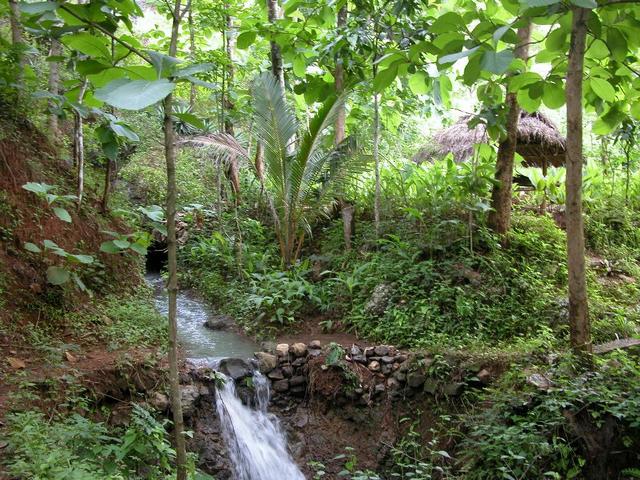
(310, 153)
(275, 127)
(222, 144)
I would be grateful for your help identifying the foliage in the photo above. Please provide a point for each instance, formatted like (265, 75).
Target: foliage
(528, 434)
(76, 447)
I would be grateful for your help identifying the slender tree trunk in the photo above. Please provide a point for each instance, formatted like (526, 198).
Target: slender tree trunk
(500, 217)
(107, 185)
(274, 13)
(192, 54)
(233, 171)
(78, 144)
(376, 159)
(172, 285)
(54, 84)
(16, 33)
(580, 327)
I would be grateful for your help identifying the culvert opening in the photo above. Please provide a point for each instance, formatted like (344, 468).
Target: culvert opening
(156, 256)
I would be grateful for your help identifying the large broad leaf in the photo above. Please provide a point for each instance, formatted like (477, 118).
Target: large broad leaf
(418, 83)
(122, 130)
(603, 89)
(88, 44)
(539, 3)
(134, 94)
(193, 69)
(57, 275)
(62, 214)
(246, 39)
(585, 3)
(385, 78)
(497, 62)
(37, 7)
(553, 95)
(456, 56)
(39, 188)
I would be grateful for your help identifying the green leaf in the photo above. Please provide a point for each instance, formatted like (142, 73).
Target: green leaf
(299, 66)
(517, 82)
(557, 40)
(32, 247)
(497, 62)
(88, 44)
(635, 110)
(163, 64)
(37, 7)
(385, 78)
(191, 119)
(49, 244)
(553, 95)
(456, 56)
(109, 247)
(57, 275)
(79, 282)
(62, 214)
(134, 94)
(617, 43)
(86, 259)
(418, 83)
(122, 130)
(603, 89)
(121, 243)
(246, 39)
(526, 102)
(584, 3)
(138, 248)
(193, 69)
(539, 3)
(39, 188)
(499, 33)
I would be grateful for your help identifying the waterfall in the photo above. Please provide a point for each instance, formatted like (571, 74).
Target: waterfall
(257, 445)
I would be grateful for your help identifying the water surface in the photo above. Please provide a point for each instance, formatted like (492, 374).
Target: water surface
(198, 341)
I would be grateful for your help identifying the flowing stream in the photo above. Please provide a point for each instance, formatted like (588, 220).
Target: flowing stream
(257, 445)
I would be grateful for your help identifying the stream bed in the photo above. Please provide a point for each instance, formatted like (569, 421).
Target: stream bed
(199, 342)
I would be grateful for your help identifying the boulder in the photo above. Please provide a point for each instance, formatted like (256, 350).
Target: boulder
(315, 344)
(453, 389)
(189, 394)
(355, 351)
(159, 401)
(266, 361)
(235, 368)
(484, 376)
(374, 366)
(379, 300)
(430, 386)
(387, 359)
(282, 349)
(297, 380)
(218, 322)
(281, 386)
(415, 379)
(381, 350)
(276, 374)
(298, 349)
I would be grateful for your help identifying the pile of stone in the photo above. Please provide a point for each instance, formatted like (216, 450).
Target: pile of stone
(392, 371)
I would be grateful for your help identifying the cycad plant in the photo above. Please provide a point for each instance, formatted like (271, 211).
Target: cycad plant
(302, 171)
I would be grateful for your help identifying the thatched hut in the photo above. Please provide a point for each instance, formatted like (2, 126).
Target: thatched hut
(539, 141)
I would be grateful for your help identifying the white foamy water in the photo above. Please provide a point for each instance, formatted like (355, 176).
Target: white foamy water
(257, 445)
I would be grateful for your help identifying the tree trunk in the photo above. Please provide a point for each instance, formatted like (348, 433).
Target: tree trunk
(78, 144)
(107, 185)
(501, 196)
(16, 32)
(580, 328)
(376, 158)
(192, 54)
(172, 284)
(233, 171)
(274, 13)
(54, 85)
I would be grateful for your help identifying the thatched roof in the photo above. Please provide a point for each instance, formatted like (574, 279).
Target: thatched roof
(538, 139)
